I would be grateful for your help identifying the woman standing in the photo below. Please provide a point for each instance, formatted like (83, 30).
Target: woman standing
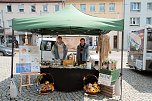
(82, 52)
(59, 49)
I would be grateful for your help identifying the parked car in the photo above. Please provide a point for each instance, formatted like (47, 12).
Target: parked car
(5, 51)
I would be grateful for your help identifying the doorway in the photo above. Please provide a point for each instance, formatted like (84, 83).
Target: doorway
(115, 42)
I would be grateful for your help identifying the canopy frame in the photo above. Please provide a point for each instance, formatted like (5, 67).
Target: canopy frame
(71, 29)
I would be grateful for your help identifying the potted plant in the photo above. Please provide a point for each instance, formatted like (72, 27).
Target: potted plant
(113, 64)
(105, 64)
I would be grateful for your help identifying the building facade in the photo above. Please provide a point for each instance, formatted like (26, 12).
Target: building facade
(105, 9)
(137, 13)
(10, 9)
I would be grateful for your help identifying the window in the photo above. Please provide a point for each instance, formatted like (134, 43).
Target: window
(148, 20)
(57, 8)
(46, 45)
(33, 8)
(83, 7)
(149, 6)
(135, 21)
(9, 8)
(102, 7)
(92, 8)
(111, 7)
(9, 23)
(21, 8)
(45, 8)
(135, 6)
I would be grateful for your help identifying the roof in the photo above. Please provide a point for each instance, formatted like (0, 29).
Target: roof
(30, 1)
(67, 21)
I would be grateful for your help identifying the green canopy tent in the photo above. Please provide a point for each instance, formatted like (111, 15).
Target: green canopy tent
(68, 21)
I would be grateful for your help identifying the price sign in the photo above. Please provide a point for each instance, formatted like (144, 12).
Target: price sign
(105, 79)
(139, 63)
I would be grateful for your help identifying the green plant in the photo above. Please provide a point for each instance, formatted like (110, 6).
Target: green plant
(113, 61)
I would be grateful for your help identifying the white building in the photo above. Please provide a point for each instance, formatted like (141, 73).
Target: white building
(137, 13)
(10, 9)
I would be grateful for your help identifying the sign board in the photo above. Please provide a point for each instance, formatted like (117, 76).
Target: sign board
(72, 42)
(23, 67)
(135, 46)
(24, 55)
(139, 63)
(105, 79)
(148, 56)
(35, 58)
(29, 54)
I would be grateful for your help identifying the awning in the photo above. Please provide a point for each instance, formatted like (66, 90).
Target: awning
(68, 21)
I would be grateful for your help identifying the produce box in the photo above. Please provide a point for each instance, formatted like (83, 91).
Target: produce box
(67, 62)
(115, 74)
(107, 90)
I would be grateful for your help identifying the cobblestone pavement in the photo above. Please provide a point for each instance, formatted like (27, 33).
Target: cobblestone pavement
(31, 94)
(137, 86)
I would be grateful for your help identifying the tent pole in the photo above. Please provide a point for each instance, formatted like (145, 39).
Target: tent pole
(122, 47)
(12, 59)
(100, 51)
(122, 62)
(41, 48)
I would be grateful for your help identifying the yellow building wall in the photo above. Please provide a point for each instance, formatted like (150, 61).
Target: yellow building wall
(118, 13)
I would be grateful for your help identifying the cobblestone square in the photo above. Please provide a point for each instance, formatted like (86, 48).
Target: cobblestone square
(137, 86)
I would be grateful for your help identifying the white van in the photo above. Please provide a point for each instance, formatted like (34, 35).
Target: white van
(45, 46)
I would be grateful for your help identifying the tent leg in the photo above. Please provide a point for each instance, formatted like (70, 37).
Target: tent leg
(121, 63)
(41, 48)
(12, 58)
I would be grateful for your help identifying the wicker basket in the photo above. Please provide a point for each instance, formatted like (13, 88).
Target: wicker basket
(90, 85)
(46, 83)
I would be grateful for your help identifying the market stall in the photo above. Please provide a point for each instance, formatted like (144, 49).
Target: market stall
(68, 21)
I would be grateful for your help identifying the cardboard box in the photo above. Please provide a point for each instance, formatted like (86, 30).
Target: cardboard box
(115, 74)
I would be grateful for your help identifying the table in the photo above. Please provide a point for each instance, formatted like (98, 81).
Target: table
(69, 79)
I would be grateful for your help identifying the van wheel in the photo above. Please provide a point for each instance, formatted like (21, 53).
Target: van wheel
(1, 54)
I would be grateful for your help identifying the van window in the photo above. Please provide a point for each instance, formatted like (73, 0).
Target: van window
(46, 45)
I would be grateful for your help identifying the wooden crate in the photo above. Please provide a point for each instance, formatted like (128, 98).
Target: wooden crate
(107, 90)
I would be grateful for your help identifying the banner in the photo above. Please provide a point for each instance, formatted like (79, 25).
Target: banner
(104, 79)
(29, 56)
